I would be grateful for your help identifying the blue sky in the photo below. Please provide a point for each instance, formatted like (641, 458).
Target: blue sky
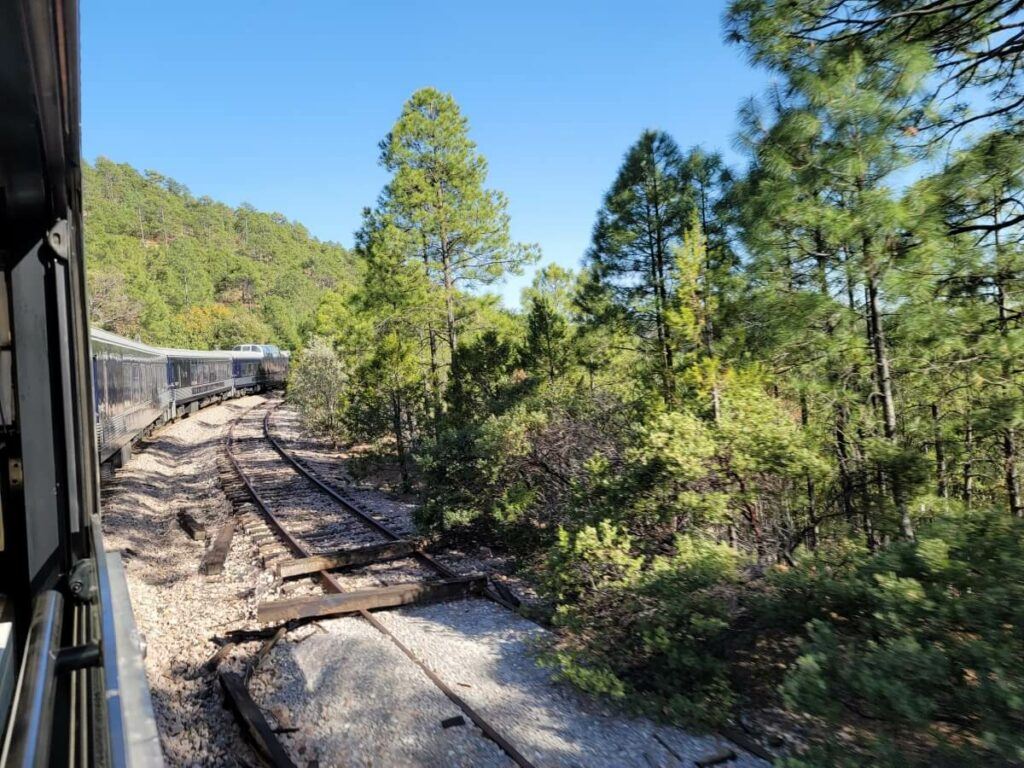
(282, 104)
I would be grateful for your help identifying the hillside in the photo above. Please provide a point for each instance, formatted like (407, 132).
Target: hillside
(173, 269)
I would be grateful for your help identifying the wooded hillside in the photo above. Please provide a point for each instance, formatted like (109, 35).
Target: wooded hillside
(174, 269)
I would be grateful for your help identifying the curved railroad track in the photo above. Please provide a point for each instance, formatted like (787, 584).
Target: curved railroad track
(332, 555)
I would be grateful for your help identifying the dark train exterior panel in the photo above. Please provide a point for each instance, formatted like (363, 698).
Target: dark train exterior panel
(137, 386)
(130, 390)
(196, 376)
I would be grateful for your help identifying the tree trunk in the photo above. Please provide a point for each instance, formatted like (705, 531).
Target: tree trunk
(433, 381)
(396, 423)
(709, 328)
(843, 457)
(968, 470)
(1012, 475)
(549, 343)
(449, 308)
(940, 454)
(657, 255)
(884, 380)
(812, 513)
(865, 496)
(1010, 460)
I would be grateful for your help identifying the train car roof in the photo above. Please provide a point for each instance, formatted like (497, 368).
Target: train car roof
(98, 334)
(239, 355)
(196, 354)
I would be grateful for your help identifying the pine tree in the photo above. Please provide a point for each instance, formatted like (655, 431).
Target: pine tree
(643, 218)
(974, 48)
(978, 199)
(455, 227)
(548, 348)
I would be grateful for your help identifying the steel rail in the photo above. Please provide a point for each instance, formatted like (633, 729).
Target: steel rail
(420, 555)
(331, 584)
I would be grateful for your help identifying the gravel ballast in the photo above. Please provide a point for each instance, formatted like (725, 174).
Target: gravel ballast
(176, 609)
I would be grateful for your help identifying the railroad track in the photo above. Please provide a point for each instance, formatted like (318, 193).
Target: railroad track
(332, 555)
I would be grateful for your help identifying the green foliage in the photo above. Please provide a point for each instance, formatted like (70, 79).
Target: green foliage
(651, 629)
(180, 271)
(644, 216)
(316, 382)
(547, 347)
(918, 645)
(743, 482)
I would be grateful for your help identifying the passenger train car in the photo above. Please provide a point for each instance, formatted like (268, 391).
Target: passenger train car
(72, 683)
(137, 386)
(73, 687)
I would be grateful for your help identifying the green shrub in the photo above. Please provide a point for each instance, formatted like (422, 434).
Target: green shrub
(918, 650)
(648, 630)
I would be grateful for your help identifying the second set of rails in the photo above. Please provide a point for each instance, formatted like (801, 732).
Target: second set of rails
(330, 553)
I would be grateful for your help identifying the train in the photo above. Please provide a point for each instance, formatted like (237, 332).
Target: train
(137, 387)
(73, 688)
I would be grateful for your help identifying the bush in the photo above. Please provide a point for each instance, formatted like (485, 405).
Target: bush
(650, 631)
(510, 479)
(316, 385)
(917, 651)
(909, 656)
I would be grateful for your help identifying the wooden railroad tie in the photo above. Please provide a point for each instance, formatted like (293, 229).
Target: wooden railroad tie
(368, 599)
(260, 734)
(213, 560)
(195, 530)
(345, 558)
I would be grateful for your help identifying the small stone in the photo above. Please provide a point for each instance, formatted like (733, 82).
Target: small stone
(282, 715)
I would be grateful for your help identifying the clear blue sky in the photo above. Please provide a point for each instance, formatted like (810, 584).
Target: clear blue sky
(282, 104)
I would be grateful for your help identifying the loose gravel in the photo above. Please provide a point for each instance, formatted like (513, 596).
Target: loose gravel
(358, 701)
(176, 609)
(488, 653)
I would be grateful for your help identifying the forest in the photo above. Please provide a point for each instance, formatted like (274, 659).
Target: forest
(175, 270)
(760, 450)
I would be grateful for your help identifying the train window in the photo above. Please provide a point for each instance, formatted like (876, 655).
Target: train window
(104, 392)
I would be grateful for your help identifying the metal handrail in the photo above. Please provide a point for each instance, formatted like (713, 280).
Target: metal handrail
(29, 731)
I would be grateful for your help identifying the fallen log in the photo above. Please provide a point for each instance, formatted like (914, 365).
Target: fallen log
(214, 661)
(345, 558)
(739, 738)
(506, 594)
(368, 599)
(255, 726)
(267, 646)
(715, 757)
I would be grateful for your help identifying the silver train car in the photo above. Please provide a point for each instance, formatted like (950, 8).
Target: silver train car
(137, 387)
